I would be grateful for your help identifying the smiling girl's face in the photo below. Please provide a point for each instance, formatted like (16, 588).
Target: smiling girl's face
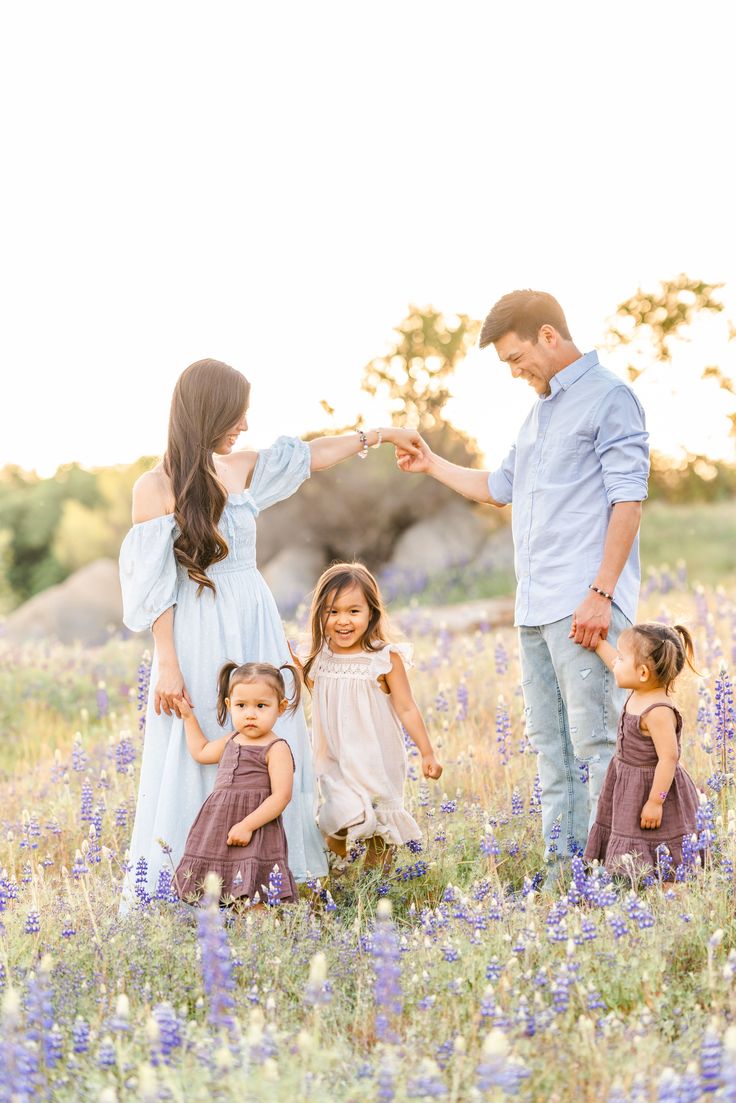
(347, 616)
(254, 708)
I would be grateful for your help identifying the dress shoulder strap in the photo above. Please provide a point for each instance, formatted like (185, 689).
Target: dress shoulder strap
(663, 705)
(281, 740)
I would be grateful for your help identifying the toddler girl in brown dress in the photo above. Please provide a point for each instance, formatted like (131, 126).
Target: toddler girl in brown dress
(238, 833)
(648, 800)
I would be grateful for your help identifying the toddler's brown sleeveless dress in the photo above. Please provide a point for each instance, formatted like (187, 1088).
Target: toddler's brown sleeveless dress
(617, 830)
(242, 783)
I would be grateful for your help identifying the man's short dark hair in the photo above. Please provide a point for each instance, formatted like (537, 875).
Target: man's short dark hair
(523, 313)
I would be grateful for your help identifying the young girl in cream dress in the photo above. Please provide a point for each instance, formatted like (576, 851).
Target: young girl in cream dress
(361, 697)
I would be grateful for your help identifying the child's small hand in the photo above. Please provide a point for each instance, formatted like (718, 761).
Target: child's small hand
(183, 707)
(651, 814)
(239, 835)
(431, 767)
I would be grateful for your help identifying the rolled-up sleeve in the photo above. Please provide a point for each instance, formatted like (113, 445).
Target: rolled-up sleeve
(501, 481)
(622, 445)
(148, 578)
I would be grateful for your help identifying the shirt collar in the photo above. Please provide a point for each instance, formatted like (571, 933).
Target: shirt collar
(569, 375)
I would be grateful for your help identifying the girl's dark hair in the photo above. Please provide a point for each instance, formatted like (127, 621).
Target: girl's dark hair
(235, 674)
(339, 577)
(209, 399)
(663, 649)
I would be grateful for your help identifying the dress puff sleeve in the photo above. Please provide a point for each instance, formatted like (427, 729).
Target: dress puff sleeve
(148, 572)
(381, 660)
(280, 470)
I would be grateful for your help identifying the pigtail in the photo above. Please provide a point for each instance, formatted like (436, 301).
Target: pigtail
(223, 691)
(665, 650)
(297, 694)
(687, 644)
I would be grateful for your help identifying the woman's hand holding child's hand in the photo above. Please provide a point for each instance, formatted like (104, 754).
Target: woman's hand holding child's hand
(239, 835)
(431, 767)
(170, 689)
(184, 709)
(651, 814)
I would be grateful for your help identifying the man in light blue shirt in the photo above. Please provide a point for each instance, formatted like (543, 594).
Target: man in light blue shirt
(577, 476)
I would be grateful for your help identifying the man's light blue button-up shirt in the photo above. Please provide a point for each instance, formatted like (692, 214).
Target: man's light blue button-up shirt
(582, 448)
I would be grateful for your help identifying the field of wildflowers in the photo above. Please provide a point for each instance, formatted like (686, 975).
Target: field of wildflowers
(449, 977)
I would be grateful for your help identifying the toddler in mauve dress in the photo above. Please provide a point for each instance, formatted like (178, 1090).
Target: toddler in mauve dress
(648, 801)
(238, 833)
(361, 700)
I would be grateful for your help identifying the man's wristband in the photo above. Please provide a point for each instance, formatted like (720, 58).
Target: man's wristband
(597, 590)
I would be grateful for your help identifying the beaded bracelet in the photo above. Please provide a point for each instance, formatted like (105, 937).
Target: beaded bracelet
(379, 438)
(363, 445)
(603, 593)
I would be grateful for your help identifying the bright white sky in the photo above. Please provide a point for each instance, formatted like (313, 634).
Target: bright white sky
(272, 184)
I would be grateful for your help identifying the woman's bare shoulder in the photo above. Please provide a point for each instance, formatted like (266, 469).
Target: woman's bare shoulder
(239, 467)
(152, 496)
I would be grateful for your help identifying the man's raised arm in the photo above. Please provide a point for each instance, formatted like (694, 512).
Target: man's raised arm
(467, 481)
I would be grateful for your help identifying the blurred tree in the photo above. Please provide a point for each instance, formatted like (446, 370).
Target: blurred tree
(660, 316)
(50, 527)
(415, 370)
(82, 535)
(30, 509)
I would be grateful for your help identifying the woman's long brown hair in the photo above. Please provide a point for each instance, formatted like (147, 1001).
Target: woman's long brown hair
(209, 399)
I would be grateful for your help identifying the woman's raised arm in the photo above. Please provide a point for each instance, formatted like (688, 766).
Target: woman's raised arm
(327, 451)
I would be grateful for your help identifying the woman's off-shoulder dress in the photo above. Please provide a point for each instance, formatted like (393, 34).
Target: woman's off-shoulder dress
(239, 622)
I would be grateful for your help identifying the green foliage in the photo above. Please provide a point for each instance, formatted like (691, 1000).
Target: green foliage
(692, 478)
(50, 527)
(664, 313)
(661, 316)
(415, 370)
(703, 536)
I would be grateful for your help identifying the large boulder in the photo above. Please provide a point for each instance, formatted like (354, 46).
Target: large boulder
(451, 537)
(86, 608)
(292, 574)
(496, 553)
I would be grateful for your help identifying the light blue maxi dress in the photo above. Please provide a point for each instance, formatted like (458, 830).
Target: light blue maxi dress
(239, 622)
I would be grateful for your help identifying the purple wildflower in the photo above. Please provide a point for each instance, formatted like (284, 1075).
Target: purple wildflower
(217, 964)
(387, 985)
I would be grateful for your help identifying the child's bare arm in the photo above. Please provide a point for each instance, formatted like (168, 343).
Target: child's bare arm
(200, 748)
(408, 713)
(659, 725)
(606, 653)
(281, 773)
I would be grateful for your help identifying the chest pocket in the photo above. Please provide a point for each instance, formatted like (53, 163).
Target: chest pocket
(560, 461)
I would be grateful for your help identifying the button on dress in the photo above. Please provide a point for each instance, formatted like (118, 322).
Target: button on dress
(239, 622)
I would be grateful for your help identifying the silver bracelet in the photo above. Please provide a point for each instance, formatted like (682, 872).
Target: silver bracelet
(363, 444)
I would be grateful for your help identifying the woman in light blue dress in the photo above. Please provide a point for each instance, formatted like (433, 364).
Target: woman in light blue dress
(188, 572)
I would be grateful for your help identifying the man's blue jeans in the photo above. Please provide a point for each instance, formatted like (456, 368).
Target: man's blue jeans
(572, 707)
